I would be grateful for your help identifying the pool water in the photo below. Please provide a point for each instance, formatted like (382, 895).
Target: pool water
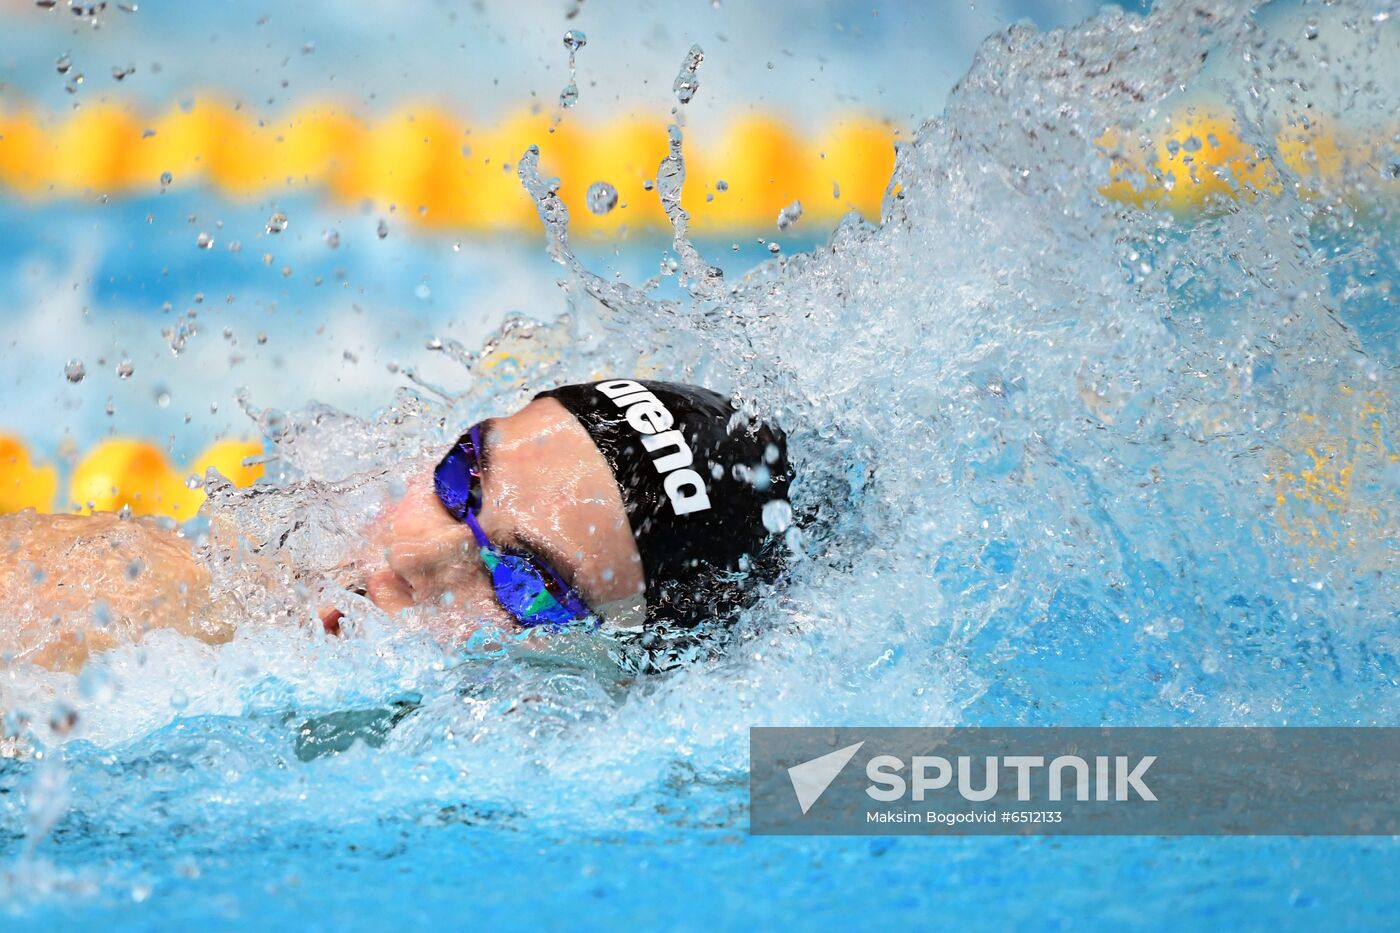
(1071, 454)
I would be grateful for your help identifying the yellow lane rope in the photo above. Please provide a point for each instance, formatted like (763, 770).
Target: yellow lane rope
(122, 472)
(442, 173)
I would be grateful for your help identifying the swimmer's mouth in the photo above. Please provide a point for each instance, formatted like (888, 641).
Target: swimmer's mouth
(330, 618)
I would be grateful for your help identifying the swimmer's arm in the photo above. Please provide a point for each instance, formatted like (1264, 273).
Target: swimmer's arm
(73, 585)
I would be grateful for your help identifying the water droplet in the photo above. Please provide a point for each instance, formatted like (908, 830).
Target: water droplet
(165, 179)
(721, 185)
(119, 73)
(774, 248)
(602, 198)
(262, 337)
(63, 63)
(204, 241)
(125, 369)
(382, 229)
(75, 371)
(1310, 31)
(789, 215)
(777, 515)
(277, 222)
(687, 81)
(163, 398)
(193, 482)
(647, 184)
(331, 238)
(574, 40)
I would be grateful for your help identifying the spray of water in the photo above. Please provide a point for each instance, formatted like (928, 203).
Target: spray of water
(1059, 459)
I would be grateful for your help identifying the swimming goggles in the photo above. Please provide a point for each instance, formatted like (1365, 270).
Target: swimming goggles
(528, 588)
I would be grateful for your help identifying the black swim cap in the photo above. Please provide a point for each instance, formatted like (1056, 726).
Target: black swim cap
(695, 476)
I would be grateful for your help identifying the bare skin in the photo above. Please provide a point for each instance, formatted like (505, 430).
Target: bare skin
(87, 583)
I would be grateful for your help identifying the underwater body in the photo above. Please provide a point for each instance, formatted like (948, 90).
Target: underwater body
(1095, 426)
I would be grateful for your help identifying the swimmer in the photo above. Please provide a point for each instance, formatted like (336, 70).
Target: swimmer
(631, 508)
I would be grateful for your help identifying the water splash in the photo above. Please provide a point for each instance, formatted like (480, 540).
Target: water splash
(1060, 458)
(697, 275)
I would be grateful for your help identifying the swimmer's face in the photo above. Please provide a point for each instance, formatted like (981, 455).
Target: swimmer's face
(545, 489)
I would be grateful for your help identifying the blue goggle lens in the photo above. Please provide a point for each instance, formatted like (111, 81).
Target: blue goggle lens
(532, 594)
